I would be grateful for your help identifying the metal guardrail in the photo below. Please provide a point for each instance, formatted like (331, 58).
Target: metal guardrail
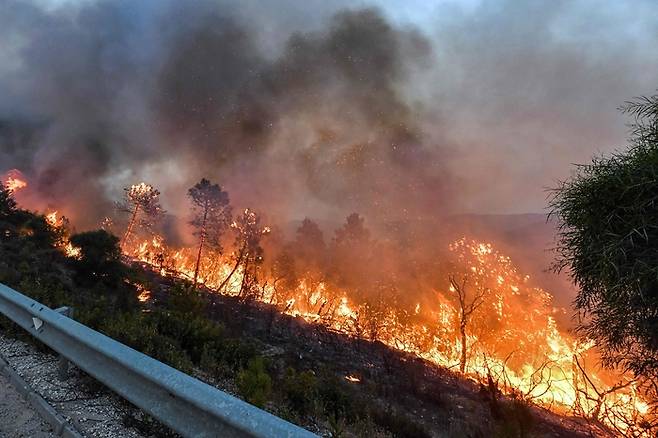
(187, 405)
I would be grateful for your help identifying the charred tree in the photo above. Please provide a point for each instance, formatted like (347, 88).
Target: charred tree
(142, 202)
(250, 254)
(286, 278)
(211, 215)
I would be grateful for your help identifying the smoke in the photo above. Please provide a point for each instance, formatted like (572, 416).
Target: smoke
(530, 88)
(109, 93)
(315, 110)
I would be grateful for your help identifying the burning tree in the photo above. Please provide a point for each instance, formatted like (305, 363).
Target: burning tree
(467, 306)
(285, 276)
(141, 198)
(211, 215)
(250, 254)
(7, 203)
(14, 181)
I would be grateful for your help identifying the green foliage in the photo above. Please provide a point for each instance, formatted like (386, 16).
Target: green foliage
(301, 389)
(97, 248)
(211, 211)
(193, 334)
(334, 398)
(608, 240)
(236, 353)
(141, 332)
(336, 426)
(254, 383)
(185, 300)
(100, 269)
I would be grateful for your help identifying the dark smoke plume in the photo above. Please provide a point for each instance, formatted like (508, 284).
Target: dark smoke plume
(316, 110)
(110, 93)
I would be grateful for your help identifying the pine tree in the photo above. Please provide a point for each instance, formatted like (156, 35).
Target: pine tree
(250, 253)
(7, 203)
(142, 202)
(211, 215)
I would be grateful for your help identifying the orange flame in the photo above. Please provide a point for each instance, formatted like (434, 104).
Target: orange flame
(14, 181)
(513, 337)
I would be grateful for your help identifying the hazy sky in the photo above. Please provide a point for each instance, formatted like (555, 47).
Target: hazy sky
(492, 100)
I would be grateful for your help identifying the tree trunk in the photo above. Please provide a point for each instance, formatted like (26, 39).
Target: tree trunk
(201, 241)
(245, 278)
(237, 264)
(462, 359)
(130, 227)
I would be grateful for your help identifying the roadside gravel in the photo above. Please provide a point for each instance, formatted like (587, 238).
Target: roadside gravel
(89, 407)
(17, 418)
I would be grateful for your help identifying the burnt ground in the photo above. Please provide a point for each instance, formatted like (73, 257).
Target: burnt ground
(440, 401)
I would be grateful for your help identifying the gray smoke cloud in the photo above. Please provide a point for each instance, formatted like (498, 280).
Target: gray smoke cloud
(316, 110)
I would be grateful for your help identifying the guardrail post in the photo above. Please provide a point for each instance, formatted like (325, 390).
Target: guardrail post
(63, 363)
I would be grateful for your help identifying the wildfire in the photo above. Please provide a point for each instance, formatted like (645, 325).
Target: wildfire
(510, 335)
(56, 221)
(522, 348)
(14, 181)
(140, 190)
(52, 219)
(144, 294)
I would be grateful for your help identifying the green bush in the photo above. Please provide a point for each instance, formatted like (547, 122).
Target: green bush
(140, 332)
(335, 400)
(237, 354)
(301, 389)
(185, 300)
(254, 383)
(194, 333)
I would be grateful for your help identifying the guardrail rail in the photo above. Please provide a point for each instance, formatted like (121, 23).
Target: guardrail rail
(185, 404)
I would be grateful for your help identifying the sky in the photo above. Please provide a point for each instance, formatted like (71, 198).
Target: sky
(414, 109)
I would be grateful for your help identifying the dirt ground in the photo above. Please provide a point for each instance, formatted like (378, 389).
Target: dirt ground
(17, 418)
